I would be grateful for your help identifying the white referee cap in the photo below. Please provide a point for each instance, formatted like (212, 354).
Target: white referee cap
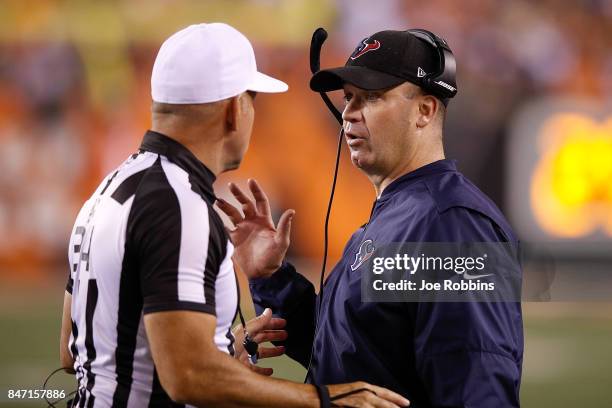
(207, 63)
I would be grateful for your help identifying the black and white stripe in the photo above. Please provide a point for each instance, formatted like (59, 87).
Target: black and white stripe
(147, 240)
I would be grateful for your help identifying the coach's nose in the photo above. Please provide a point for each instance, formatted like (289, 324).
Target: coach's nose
(351, 112)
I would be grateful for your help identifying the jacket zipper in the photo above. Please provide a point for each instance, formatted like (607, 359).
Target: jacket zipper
(365, 228)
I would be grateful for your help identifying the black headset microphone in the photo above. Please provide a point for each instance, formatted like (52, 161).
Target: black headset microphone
(318, 38)
(441, 83)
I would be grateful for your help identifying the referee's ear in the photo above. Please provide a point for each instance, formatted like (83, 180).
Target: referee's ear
(232, 113)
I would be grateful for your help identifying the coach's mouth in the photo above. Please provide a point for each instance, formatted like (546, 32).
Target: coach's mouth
(353, 138)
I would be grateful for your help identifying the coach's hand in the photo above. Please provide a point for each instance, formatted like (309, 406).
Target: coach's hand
(362, 394)
(262, 328)
(260, 246)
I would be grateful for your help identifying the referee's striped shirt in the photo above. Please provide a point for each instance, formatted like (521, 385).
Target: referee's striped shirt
(148, 240)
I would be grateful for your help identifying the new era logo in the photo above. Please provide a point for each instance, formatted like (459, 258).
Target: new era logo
(421, 73)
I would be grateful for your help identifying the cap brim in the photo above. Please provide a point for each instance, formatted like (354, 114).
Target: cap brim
(365, 78)
(265, 83)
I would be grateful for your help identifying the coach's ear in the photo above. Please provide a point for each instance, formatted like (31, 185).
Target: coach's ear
(428, 106)
(232, 113)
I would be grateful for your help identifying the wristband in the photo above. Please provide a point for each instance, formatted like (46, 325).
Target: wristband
(323, 395)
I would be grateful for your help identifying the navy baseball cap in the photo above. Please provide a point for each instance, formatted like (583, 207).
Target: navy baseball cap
(383, 60)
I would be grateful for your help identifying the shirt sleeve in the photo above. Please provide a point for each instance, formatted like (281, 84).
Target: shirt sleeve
(469, 354)
(292, 297)
(173, 248)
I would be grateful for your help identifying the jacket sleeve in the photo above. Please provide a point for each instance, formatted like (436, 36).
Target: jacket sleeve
(469, 354)
(292, 297)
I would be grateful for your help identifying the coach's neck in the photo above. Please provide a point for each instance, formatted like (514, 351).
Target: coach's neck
(416, 156)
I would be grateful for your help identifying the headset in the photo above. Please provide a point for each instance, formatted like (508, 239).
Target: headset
(440, 83)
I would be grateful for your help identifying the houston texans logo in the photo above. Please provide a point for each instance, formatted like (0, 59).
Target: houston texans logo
(366, 249)
(365, 47)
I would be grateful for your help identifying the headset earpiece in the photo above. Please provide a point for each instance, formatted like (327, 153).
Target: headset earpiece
(442, 82)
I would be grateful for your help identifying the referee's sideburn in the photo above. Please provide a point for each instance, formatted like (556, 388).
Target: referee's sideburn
(152, 292)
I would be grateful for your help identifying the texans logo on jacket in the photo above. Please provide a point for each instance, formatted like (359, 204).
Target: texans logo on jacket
(366, 249)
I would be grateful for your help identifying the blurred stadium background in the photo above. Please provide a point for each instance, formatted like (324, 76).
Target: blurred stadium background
(531, 126)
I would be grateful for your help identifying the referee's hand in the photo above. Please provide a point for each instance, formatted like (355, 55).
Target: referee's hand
(260, 246)
(263, 328)
(362, 394)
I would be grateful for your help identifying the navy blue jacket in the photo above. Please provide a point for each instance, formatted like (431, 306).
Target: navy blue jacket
(435, 354)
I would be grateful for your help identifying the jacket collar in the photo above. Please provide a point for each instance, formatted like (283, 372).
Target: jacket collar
(434, 168)
(200, 177)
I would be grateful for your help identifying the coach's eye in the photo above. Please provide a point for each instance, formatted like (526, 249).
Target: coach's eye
(347, 98)
(372, 96)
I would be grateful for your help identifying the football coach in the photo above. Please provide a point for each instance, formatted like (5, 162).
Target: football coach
(396, 85)
(152, 291)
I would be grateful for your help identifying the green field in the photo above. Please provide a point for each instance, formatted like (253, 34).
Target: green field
(568, 350)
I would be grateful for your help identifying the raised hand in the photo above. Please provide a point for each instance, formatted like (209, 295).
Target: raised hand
(260, 246)
(261, 329)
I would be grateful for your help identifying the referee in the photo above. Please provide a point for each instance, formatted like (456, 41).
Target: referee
(152, 292)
